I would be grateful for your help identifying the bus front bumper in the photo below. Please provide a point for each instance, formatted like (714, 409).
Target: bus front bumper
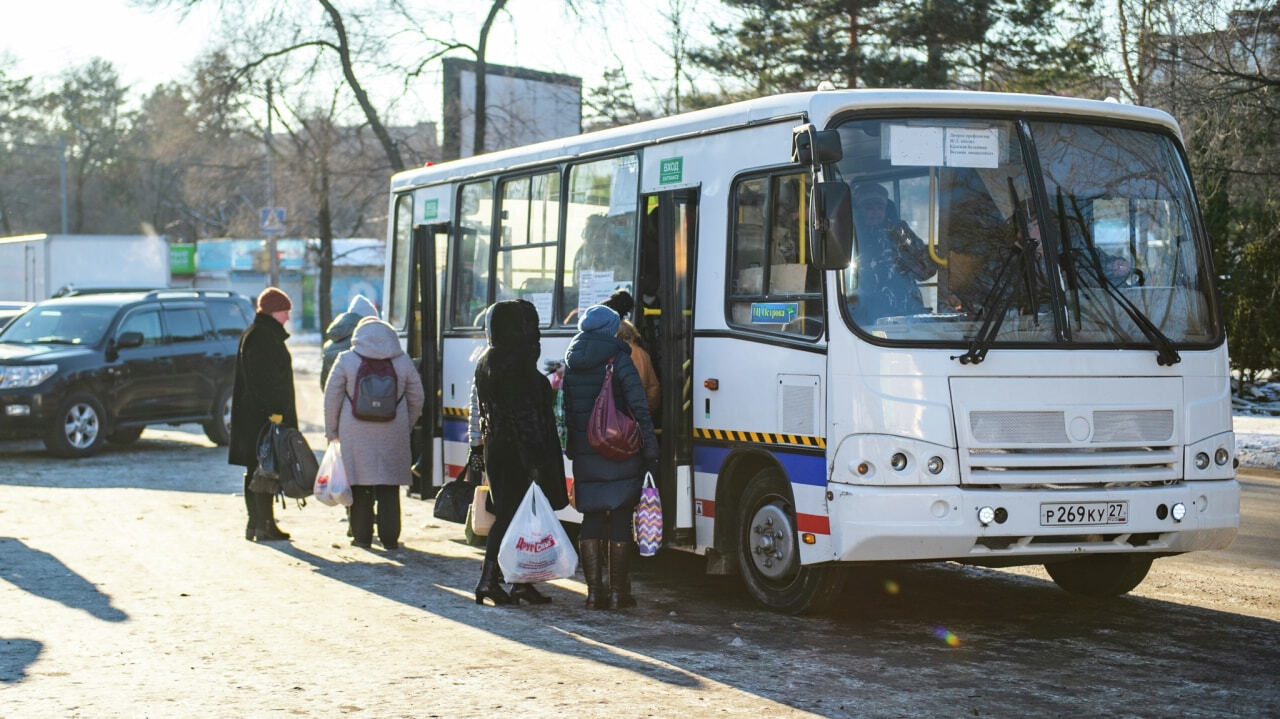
(938, 523)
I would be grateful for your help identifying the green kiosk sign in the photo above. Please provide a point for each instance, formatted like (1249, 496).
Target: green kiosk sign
(182, 259)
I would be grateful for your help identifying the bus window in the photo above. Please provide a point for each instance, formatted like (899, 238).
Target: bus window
(397, 295)
(769, 246)
(471, 272)
(529, 230)
(600, 233)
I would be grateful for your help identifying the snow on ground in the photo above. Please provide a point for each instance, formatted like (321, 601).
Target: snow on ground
(1257, 436)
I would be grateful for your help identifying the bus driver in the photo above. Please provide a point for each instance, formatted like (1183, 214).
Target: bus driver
(891, 259)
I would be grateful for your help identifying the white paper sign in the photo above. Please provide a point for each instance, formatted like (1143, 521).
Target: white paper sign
(542, 303)
(973, 148)
(594, 287)
(916, 145)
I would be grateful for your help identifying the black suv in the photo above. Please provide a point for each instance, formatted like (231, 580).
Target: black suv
(76, 371)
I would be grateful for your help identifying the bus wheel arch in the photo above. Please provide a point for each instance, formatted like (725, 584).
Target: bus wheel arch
(767, 549)
(737, 471)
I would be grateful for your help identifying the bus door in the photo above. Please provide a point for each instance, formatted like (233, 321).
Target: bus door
(664, 313)
(430, 244)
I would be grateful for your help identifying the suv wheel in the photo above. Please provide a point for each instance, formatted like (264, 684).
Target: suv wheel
(218, 427)
(77, 429)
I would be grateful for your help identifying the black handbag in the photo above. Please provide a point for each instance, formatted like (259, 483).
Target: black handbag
(454, 499)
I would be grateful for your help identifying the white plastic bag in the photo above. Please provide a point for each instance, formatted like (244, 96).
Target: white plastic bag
(535, 547)
(331, 481)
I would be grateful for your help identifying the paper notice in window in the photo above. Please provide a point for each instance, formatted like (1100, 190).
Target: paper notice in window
(973, 148)
(916, 145)
(542, 303)
(594, 287)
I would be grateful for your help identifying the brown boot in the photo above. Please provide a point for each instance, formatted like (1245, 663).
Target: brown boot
(620, 574)
(591, 551)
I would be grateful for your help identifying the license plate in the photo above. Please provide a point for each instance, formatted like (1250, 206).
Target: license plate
(1075, 514)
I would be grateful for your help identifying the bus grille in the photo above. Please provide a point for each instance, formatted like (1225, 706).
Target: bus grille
(1020, 448)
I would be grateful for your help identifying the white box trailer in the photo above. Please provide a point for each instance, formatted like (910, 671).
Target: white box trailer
(35, 267)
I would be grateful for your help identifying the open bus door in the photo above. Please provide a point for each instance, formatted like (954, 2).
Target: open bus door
(429, 251)
(664, 314)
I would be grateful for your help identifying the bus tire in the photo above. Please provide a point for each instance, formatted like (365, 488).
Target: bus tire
(1101, 576)
(769, 551)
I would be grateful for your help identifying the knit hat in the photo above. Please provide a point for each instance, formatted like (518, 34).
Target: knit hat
(598, 318)
(272, 300)
(621, 302)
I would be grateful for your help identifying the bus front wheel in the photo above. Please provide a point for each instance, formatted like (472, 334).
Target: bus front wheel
(769, 551)
(1104, 575)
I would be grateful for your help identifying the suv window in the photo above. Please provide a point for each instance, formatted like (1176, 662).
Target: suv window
(146, 321)
(229, 321)
(184, 325)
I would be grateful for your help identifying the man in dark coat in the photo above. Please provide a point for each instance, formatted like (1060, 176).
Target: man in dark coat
(263, 393)
(606, 490)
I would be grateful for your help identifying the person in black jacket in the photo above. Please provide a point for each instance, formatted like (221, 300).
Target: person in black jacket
(263, 392)
(519, 428)
(606, 490)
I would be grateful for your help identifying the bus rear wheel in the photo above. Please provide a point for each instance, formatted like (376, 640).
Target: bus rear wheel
(1105, 575)
(769, 551)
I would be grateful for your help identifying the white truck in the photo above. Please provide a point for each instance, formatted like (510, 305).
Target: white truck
(35, 267)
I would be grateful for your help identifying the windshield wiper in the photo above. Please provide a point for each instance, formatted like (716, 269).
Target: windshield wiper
(996, 304)
(1166, 355)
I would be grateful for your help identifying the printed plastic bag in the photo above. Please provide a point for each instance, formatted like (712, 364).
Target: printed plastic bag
(535, 547)
(648, 519)
(331, 480)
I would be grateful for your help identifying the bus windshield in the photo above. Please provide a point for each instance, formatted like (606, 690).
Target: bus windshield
(951, 234)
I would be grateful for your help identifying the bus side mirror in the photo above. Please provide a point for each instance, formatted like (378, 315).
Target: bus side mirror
(831, 242)
(814, 147)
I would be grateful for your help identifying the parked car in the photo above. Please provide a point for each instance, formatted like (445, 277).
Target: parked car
(9, 310)
(78, 371)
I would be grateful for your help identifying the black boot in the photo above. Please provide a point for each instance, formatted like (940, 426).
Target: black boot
(490, 585)
(591, 551)
(251, 506)
(528, 593)
(620, 574)
(267, 529)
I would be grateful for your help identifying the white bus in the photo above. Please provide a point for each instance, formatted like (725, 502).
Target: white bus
(1019, 360)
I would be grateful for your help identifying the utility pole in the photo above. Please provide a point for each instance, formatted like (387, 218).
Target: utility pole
(273, 256)
(62, 177)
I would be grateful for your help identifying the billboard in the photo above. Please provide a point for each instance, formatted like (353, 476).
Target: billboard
(523, 106)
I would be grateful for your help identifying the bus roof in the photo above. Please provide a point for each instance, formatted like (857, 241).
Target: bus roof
(815, 107)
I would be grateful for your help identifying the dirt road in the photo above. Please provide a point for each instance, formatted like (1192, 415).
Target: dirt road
(130, 591)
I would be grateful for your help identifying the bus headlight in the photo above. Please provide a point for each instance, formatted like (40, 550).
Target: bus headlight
(986, 515)
(934, 465)
(1202, 460)
(898, 461)
(1178, 511)
(1221, 456)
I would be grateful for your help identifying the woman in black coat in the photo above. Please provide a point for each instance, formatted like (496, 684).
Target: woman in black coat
(519, 428)
(606, 490)
(263, 392)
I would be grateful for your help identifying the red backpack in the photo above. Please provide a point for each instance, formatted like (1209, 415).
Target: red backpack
(375, 399)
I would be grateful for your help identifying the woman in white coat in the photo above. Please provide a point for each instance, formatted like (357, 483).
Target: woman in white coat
(376, 455)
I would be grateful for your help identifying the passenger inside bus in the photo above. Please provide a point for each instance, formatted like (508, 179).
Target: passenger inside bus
(891, 259)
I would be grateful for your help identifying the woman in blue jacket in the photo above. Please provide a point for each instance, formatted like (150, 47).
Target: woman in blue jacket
(606, 490)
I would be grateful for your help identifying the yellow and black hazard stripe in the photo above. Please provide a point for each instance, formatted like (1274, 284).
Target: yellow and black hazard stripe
(732, 435)
(455, 412)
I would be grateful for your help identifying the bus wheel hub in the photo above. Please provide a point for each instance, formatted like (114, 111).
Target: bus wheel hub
(771, 542)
